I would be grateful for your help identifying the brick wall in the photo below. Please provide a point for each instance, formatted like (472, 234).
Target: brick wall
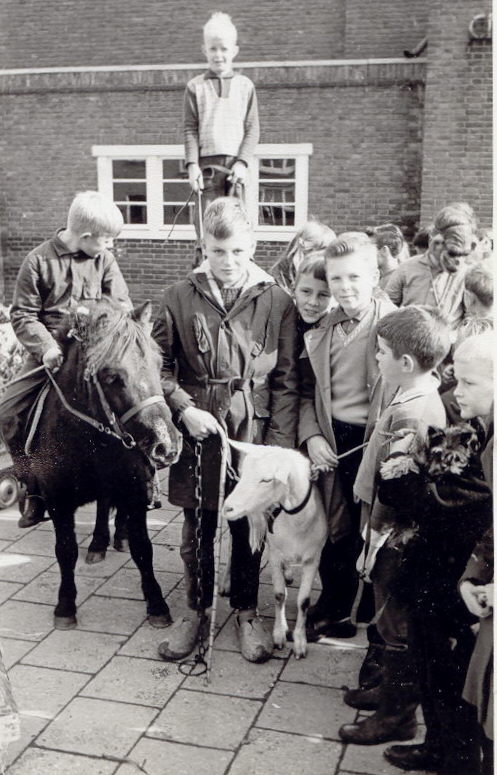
(384, 28)
(365, 124)
(457, 160)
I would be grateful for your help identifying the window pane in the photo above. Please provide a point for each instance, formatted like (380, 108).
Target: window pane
(174, 168)
(176, 192)
(276, 215)
(185, 217)
(134, 213)
(276, 192)
(277, 168)
(123, 192)
(128, 169)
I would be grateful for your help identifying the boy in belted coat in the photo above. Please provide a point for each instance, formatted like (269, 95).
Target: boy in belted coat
(228, 336)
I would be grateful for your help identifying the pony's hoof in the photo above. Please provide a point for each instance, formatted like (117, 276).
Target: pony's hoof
(93, 557)
(65, 622)
(121, 545)
(160, 621)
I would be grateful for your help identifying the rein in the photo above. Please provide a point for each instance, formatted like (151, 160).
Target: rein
(112, 429)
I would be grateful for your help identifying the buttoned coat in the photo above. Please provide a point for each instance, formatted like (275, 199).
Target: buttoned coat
(315, 406)
(239, 365)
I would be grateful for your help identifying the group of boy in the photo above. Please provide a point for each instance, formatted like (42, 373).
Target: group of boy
(233, 358)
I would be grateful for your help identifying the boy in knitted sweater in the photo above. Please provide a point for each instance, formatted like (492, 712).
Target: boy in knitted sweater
(221, 120)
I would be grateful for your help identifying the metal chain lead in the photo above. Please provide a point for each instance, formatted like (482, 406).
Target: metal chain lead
(202, 649)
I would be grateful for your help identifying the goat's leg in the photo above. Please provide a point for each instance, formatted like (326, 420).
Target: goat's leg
(142, 554)
(279, 587)
(121, 540)
(101, 536)
(66, 551)
(309, 569)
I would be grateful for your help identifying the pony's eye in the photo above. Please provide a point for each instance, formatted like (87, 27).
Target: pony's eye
(267, 481)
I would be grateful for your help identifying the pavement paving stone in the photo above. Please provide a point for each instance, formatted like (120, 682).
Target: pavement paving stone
(171, 534)
(161, 757)
(8, 589)
(217, 721)
(144, 642)
(8, 525)
(333, 666)
(45, 588)
(31, 726)
(272, 753)
(133, 680)
(232, 674)
(43, 692)
(166, 558)
(97, 727)
(4, 545)
(39, 542)
(305, 710)
(13, 650)
(25, 621)
(111, 614)
(369, 760)
(126, 582)
(113, 561)
(38, 761)
(86, 652)
(22, 567)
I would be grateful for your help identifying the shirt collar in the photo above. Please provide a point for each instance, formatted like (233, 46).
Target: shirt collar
(401, 397)
(341, 315)
(60, 247)
(211, 74)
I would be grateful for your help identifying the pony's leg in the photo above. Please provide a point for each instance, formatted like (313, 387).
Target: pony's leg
(121, 542)
(101, 536)
(66, 551)
(279, 587)
(309, 570)
(142, 554)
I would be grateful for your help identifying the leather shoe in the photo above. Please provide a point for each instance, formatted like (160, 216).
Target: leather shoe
(372, 731)
(328, 628)
(363, 699)
(33, 511)
(413, 757)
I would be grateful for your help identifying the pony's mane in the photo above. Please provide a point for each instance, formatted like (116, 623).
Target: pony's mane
(107, 334)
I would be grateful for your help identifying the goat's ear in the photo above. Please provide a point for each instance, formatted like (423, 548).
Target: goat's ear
(243, 446)
(143, 313)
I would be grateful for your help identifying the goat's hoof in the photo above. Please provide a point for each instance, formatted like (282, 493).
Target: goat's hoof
(92, 558)
(65, 622)
(159, 621)
(121, 545)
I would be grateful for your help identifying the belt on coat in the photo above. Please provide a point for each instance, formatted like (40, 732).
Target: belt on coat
(232, 383)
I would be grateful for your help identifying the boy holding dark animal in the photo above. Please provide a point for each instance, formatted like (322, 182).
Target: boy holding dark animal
(411, 342)
(444, 506)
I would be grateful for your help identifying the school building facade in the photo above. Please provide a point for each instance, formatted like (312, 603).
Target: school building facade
(352, 131)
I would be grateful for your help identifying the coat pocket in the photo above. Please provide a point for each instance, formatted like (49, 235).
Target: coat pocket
(201, 334)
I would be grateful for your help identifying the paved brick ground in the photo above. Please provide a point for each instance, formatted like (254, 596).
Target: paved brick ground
(97, 701)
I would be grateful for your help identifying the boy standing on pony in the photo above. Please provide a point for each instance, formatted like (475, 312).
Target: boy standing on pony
(228, 338)
(72, 267)
(221, 119)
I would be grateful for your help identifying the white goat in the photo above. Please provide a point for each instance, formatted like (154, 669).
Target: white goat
(277, 495)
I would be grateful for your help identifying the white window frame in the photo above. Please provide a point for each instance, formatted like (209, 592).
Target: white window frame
(153, 156)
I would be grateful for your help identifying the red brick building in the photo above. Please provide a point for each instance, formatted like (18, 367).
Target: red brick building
(351, 130)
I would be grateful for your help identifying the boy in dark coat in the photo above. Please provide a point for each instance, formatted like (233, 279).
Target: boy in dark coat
(228, 338)
(449, 509)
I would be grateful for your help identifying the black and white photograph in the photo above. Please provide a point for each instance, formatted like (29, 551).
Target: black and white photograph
(246, 387)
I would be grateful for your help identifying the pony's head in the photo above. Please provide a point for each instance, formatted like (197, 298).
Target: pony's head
(122, 361)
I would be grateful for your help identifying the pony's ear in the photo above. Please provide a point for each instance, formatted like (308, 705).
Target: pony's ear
(435, 435)
(143, 313)
(244, 447)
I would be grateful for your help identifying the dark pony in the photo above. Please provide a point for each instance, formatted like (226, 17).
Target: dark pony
(103, 430)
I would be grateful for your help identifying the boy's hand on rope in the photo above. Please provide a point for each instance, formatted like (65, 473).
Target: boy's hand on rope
(238, 173)
(199, 423)
(195, 177)
(321, 454)
(52, 358)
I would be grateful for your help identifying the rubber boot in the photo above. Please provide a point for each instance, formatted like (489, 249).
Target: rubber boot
(31, 504)
(395, 718)
(367, 695)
